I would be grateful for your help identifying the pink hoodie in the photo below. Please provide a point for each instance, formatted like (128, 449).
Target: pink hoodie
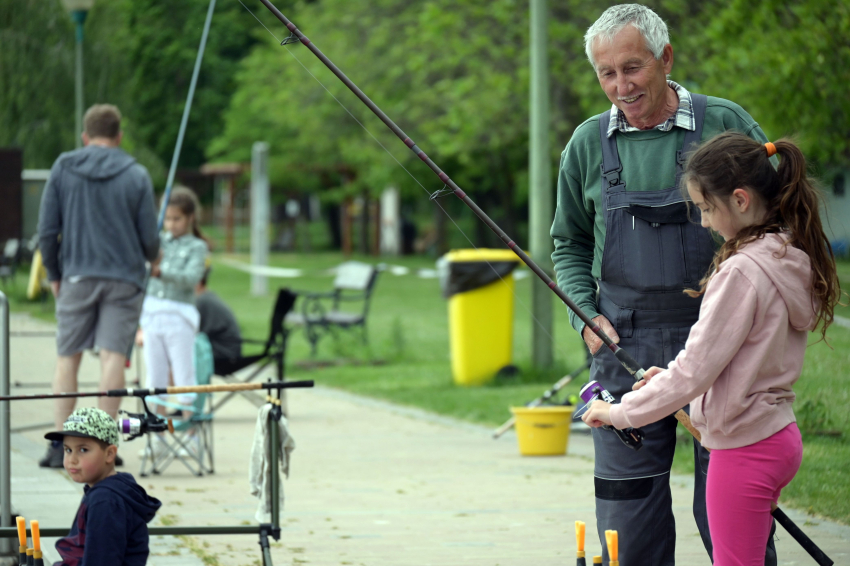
(742, 356)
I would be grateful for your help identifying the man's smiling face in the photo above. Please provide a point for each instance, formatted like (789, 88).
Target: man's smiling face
(632, 78)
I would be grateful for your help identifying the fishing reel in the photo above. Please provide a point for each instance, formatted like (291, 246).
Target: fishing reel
(135, 425)
(631, 437)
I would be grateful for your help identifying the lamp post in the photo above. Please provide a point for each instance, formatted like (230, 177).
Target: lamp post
(79, 9)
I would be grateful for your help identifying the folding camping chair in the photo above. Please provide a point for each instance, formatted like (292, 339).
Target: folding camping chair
(175, 446)
(274, 351)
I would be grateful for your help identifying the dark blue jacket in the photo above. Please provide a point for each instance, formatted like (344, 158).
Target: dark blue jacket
(111, 525)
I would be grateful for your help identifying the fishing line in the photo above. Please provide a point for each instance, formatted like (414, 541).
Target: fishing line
(432, 196)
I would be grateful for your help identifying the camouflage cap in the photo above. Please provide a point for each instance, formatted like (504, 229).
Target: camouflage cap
(88, 422)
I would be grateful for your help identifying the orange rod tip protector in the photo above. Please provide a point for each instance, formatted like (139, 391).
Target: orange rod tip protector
(611, 539)
(30, 551)
(36, 535)
(22, 531)
(580, 535)
(597, 560)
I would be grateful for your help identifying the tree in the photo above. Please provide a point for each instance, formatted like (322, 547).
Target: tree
(161, 55)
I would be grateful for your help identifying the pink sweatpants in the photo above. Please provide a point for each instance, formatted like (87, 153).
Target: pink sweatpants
(742, 483)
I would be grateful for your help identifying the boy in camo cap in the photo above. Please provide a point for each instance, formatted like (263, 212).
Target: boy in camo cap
(111, 524)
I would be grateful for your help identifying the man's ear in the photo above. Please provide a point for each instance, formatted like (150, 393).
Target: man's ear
(85, 137)
(667, 58)
(119, 138)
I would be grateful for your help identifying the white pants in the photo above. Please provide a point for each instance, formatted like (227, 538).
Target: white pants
(170, 345)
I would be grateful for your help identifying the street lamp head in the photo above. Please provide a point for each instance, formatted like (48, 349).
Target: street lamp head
(78, 5)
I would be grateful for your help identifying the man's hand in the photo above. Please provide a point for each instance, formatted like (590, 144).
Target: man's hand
(598, 414)
(592, 340)
(650, 373)
(54, 286)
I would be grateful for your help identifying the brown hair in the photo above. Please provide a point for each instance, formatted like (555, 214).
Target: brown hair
(102, 121)
(186, 200)
(730, 161)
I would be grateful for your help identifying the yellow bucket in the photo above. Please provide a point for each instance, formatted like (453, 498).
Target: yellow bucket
(543, 431)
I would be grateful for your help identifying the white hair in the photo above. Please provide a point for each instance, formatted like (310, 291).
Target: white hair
(651, 27)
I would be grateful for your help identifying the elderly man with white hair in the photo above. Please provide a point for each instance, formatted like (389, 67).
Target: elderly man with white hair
(627, 243)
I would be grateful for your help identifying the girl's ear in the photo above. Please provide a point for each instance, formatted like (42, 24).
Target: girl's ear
(742, 199)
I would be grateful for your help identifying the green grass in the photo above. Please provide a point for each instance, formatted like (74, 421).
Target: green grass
(407, 362)
(407, 358)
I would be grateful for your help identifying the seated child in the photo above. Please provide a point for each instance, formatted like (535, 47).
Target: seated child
(111, 524)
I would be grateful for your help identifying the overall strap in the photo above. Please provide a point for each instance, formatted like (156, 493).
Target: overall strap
(611, 165)
(692, 138)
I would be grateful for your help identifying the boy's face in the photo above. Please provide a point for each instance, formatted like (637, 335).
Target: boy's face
(86, 461)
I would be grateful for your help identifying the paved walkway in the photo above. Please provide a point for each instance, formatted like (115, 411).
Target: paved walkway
(371, 484)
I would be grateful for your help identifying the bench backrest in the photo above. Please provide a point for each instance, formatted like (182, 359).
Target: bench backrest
(10, 250)
(354, 276)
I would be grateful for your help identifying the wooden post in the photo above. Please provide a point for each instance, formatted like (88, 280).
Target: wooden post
(375, 224)
(228, 214)
(345, 226)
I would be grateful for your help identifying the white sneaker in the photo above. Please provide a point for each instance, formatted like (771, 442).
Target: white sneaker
(192, 446)
(159, 449)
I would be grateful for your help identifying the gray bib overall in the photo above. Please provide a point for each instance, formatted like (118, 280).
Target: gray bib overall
(654, 249)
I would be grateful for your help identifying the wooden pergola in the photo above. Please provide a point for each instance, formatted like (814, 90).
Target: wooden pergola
(229, 172)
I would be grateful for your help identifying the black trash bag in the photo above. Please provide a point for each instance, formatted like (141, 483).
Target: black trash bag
(461, 276)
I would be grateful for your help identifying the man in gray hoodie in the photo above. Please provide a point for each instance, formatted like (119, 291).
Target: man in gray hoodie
(97, 227)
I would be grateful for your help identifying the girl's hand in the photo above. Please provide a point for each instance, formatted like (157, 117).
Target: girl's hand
(155, 271)
(650, 373)
(598, 414)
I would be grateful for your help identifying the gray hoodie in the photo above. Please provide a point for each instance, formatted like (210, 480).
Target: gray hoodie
(98, 212)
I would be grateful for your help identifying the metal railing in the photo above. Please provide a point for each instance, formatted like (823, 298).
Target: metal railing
(5, 438)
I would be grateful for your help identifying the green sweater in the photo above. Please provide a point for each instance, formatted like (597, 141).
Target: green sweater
(649, 163)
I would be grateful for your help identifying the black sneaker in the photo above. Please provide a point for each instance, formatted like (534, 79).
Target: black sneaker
(118, 460)
(53, 458)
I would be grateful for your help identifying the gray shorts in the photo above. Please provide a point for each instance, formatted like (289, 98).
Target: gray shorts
(97, 312)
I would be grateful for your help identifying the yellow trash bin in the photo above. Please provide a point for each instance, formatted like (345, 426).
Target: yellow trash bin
(543, 431)
(481, 312)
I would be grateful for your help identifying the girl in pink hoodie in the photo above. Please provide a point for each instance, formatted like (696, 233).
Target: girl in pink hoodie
(772, 282)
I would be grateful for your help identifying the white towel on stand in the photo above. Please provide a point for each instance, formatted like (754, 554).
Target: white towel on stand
(260, 469)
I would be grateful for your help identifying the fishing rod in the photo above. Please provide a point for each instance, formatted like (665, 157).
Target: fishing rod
(624, 357)
(134, 425)
(171, 390)
(627, 361)
(187, 109)
(175, 158)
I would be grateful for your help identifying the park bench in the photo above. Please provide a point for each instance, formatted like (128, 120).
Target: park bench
(321, 313)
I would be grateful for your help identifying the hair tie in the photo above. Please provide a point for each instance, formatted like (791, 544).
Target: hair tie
(771, 149)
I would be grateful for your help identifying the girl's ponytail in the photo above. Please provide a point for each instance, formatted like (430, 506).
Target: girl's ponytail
(731, 160)
(799, 208)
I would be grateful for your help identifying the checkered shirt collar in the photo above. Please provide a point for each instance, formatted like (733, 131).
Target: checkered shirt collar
(684, 116)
